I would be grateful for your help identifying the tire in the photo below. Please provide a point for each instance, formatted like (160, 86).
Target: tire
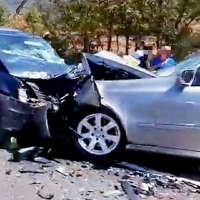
(104, 142)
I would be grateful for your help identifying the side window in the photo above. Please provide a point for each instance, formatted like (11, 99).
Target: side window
(101, 72)
(121, 75)
(196, 81)
(128, 75)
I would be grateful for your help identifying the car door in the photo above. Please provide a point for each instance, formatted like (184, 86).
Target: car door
(177, 118)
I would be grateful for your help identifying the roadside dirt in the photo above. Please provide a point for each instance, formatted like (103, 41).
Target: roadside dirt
(65, 179)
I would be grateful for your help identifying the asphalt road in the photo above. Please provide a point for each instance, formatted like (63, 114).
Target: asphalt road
(62, 180)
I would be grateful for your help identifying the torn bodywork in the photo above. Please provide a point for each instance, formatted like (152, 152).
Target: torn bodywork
(25, 120)
(41, 96)
(34, 108)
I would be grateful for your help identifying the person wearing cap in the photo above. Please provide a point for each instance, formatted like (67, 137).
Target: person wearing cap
(47, 36)
(163, 59)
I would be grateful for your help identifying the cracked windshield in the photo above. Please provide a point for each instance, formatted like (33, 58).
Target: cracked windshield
(29, 46)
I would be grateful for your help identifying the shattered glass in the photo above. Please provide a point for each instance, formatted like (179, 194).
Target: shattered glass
(29, 46)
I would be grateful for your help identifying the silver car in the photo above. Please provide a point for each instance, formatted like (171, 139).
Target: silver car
(107, 66)
(158, 115)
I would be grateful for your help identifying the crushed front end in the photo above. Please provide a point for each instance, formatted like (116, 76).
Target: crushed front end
(25, 121)
(19, 117)
(35, 109)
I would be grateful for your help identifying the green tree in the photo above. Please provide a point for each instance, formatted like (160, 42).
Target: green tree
(169, 21)
(77, 19)
(34, 19)
(2, 15)
(88, 20)
(128, 23)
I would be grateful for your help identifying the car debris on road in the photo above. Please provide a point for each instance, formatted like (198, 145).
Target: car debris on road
(111, 183)
(46, 105)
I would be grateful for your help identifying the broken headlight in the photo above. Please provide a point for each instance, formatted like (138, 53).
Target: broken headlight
(22, 92)
(23, 95)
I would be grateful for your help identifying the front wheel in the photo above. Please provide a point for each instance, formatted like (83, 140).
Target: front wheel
(100, 138)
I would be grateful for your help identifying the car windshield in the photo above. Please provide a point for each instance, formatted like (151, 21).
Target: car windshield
(191, 62)
(28, 46)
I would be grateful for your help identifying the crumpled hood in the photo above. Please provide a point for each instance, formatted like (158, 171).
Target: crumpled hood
(32, 67)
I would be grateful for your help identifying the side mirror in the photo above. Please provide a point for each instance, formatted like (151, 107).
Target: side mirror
(186, 77)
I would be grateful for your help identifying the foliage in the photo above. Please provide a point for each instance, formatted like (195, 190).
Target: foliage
(164, 19)
(34, 20)
(84, 22)
(2, 15)
(18, 22)
(30, 22)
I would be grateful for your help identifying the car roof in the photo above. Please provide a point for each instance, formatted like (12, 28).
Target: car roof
(10, 31)
(15, 32)
(194, 54)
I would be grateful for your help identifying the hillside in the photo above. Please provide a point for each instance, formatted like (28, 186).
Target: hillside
(11, 5)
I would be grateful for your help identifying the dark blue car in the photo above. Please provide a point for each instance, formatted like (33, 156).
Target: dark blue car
(36, 87)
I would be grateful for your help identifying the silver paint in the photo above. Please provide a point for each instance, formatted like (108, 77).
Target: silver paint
(158, 114)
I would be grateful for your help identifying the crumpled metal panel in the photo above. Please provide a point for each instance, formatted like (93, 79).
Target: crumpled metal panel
(23, 120)
(37, 68)
(89, 94)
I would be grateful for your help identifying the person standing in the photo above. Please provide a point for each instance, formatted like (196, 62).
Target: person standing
(156, 60)
(47, 36)
(139, 51)
(167, 58)
(141, 54)
(163, 59)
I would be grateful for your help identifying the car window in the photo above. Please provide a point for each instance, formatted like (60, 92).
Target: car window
(166, 72)
(104, 73)
(190, 62)
(28, 46)
(119, 75)
(196, 81)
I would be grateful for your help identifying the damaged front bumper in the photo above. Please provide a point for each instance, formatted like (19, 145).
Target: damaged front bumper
(25, 121)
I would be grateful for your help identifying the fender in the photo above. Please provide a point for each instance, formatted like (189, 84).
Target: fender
(88, 94)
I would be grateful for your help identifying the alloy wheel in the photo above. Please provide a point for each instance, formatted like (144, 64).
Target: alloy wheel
(98, 133)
